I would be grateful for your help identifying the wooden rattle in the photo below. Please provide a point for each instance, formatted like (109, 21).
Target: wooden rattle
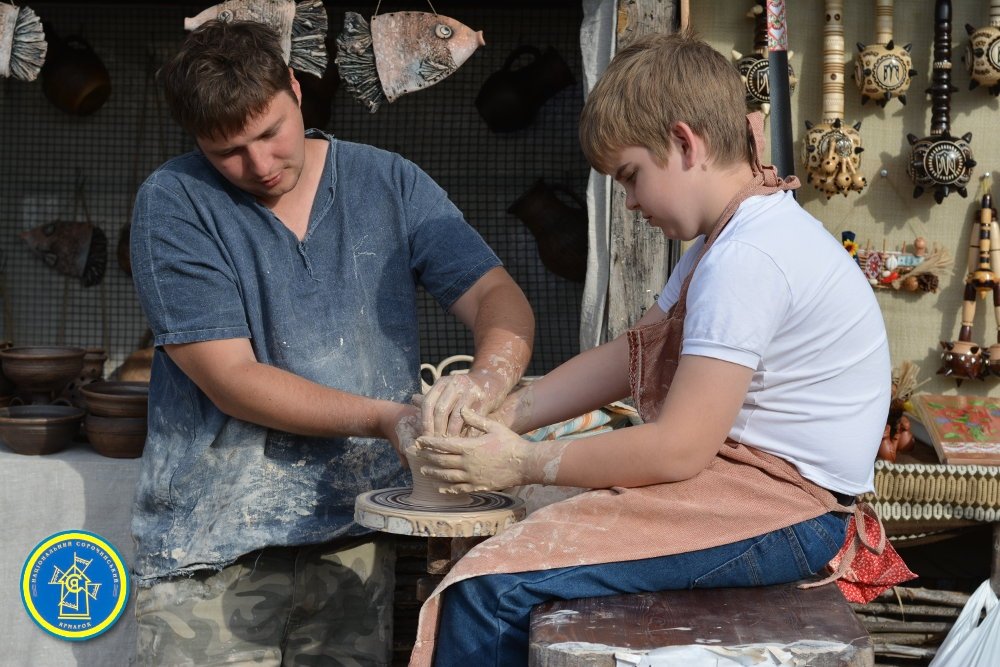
(963, 359)
(832, 152)
(883, 70)
(982, 54)
(940, 161)
(753, 67)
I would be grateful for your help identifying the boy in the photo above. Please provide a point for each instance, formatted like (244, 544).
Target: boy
(278, 270)
(763, 388)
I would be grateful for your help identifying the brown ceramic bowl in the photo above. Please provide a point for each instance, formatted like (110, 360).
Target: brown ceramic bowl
(39, 429)
(114, 398)
(42, 369)
(117, 437)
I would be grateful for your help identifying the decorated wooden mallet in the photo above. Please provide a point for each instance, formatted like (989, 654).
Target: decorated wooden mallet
(832, 149)
(982, 54)
(941, 162)
(753, 67)
(882, 69)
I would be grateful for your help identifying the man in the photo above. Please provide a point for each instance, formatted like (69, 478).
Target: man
(278, 271)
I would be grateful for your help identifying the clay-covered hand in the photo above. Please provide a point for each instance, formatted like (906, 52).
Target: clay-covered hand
(516, 410)
(497, 459)
(481, 390)
(402, 426)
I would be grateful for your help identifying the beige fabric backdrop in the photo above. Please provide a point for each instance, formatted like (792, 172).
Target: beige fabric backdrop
(886, 209)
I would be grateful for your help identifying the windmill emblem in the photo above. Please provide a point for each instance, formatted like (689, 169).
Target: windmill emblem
(76, 589)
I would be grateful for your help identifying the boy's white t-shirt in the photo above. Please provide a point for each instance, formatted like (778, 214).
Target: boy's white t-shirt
(778, 294)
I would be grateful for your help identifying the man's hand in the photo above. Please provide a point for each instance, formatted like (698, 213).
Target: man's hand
(400, 426)
(481, 391)
(497, 459)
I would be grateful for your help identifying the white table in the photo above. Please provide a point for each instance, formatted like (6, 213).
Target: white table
(76, 489)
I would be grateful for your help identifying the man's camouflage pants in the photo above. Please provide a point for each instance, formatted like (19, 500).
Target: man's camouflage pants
(320, 605)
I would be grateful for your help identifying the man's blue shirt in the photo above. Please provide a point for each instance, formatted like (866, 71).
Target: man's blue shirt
(338, 308)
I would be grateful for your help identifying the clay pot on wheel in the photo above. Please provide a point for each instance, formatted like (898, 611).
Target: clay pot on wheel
(73, 77)
(559, 228)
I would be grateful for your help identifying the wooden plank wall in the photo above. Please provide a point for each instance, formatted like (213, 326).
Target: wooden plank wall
(640, 256)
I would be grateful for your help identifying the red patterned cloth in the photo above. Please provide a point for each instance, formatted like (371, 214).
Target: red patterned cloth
(867, 564)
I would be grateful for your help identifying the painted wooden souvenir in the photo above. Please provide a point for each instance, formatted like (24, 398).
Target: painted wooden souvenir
(753, 67)
(22, 43)
(882, 69)
(982, 54)
(906, 269)
(941, 162)
(832, 149)
(302, 26)
(400, 53)
(964, 359)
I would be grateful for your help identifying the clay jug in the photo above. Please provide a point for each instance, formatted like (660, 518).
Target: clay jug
(511, 96)
(73, 77)
(560, 229)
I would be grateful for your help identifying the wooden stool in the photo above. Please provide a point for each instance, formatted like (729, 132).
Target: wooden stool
(588, 632)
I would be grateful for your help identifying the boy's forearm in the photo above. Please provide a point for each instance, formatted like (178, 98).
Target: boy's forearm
(586, 382)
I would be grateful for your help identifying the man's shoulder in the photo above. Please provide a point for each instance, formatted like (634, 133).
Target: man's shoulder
(189, 168)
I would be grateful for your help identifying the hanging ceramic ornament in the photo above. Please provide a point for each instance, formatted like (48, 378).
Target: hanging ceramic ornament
(76, 249)
(302, 26)
(400, 53)
(941, 162)
(753, 67)
(883, 70)
(982, 55)
(22, 43)
(832, 149)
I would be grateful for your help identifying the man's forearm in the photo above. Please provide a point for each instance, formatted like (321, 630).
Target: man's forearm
(504, 332)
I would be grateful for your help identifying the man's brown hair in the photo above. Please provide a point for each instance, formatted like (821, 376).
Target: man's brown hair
(224, 75)
(657, 81)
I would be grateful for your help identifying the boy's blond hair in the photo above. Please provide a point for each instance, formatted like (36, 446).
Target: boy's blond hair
(655, 82)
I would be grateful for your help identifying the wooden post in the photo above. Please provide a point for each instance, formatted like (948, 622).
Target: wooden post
(640, 256)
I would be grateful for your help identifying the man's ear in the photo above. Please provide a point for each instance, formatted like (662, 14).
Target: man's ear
(296, 87)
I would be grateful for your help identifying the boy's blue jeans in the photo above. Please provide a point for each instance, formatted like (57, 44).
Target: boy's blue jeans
(484, 620)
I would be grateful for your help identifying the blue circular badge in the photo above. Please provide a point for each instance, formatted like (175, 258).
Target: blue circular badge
(74, 585)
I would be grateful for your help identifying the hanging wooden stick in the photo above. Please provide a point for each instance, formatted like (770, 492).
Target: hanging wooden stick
(832, 149)
(753, 67)
(883, 70)
(780, 83)
(941, 162)
(982, 55)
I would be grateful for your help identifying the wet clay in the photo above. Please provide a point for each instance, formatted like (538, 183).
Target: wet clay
(425, 490)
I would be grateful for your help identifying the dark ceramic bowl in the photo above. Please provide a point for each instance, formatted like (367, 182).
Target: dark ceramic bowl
(42, 369)
(117, 437)
(112, 398)
(39, 429)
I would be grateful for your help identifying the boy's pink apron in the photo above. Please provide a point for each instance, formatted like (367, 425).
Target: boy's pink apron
(708, 510)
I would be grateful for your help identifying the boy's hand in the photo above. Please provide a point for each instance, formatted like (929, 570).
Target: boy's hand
(497, 459)
(479, 390)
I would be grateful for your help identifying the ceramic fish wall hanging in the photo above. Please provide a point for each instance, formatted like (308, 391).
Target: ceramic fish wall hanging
(400, 53)
(302, 26)
(22, 43)
(76, 249)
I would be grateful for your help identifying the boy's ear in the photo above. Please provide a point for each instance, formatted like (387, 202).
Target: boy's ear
(689, 145)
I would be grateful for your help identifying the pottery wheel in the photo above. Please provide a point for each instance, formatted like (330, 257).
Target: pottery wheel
(390, 510)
